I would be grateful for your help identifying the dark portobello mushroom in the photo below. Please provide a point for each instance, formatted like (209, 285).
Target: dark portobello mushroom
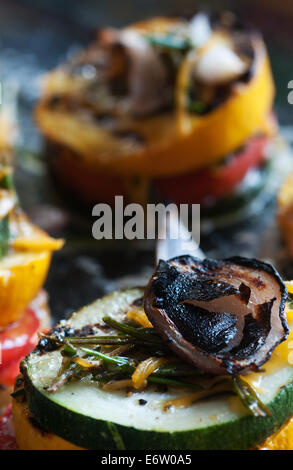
(224, 317)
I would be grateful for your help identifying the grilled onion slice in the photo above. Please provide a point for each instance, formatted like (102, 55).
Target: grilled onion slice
(224, 317)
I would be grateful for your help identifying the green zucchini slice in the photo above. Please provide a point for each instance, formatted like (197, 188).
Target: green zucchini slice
(84, 414)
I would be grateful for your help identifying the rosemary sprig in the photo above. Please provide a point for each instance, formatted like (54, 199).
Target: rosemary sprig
(173, 383)
(103, 340)
(249, 398)
(128, 365)
(143, 334)
(68, 350)
(136, 336)
(122, 364)
(116, 367)
(176, 370)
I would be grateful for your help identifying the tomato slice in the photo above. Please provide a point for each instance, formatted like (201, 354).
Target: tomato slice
(217, 182)
(7, 437)
(10, 372)
(91, 185)
(18, 339)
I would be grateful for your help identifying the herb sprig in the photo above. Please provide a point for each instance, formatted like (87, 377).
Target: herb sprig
(249, 398)
(91, 356)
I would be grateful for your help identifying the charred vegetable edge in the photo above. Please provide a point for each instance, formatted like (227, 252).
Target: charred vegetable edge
(211, 264)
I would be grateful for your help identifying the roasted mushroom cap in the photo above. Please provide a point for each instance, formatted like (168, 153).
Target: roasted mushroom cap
(224, 317)
(132, 70)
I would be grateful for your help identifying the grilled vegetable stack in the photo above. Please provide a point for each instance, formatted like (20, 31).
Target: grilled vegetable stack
(200, 359)
(25, 254)
(183, 105)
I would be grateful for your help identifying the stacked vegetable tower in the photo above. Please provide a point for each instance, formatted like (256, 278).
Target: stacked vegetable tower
(183, 107)
(200, 359)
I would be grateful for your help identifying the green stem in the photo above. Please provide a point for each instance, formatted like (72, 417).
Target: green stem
(123, 364)
(68, 350)
(176, 371)
(173, 383)
(144, 334)
(106, 340)
(249, 398)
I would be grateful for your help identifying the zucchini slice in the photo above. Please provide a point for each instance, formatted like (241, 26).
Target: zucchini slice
(89, 417)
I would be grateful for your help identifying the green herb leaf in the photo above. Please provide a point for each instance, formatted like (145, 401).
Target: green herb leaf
(176, 370)
(173, 383)
(290, 302)
(4, 236)
(144, 334)
(169, 41)
(7, 182)
(122, 364)
(249, 398)
(104, 340)
(197, 107)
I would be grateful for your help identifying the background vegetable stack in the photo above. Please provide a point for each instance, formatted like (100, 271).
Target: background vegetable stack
(185, 105)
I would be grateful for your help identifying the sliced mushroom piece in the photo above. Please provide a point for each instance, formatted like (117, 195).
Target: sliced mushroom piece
(149, 83)
(131, 59)
(224, 317)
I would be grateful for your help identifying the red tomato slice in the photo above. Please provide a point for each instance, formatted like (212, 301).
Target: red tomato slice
(216, 182)
(11, 371)
(18, 339)
(7, 437)
(90, 184)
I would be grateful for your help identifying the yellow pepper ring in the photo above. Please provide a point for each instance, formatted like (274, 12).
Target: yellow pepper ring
(226, 128)
(21, 277)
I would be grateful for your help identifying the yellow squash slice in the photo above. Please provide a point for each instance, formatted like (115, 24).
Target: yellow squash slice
(30, 436)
